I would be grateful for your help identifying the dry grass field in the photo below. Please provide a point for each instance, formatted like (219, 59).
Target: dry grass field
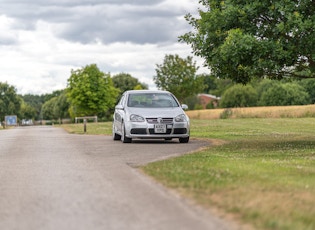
(255, 112)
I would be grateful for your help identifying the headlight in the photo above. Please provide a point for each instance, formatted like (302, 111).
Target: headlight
(136, 118)
(180, 118)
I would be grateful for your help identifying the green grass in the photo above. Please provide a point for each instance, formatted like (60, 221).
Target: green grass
(100, 128)
(263, 175)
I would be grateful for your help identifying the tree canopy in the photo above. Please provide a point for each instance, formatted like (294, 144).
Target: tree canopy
(178, 75)
(10, 102)
(36, 102)
(239, 96)
(90, 91)
(285, 94)
(243, 39)
(124, 82)
(56, 107)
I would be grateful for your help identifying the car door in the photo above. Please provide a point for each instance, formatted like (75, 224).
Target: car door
(119, 113)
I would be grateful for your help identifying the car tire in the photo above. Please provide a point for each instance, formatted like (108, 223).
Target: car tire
(116, 136)
(184, 139)
(124, 139)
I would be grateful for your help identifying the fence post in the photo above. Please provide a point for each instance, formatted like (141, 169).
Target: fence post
(84, 120)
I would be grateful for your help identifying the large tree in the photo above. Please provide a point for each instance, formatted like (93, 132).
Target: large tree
(56, 107)
(27, 111)
(10, 102)
(90, 91)
(178, 75)
(61, 109)
(48, 109)
(124, 82)
(36, 102)
(259, 38)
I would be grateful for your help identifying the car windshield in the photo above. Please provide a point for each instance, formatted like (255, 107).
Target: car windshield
(152, 100)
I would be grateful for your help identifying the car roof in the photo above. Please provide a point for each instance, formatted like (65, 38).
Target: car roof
(146, 91)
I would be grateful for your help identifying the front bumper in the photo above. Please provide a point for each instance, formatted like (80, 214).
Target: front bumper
(145, 130)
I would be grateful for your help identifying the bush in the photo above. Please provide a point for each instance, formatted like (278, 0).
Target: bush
(309, 86)
(285, 94)
(239, 96)
(210, 105)
(226, 114)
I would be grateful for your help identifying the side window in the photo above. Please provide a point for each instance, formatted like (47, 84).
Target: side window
(122, 100)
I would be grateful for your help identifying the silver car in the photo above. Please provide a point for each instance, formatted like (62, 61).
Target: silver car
(150, 114)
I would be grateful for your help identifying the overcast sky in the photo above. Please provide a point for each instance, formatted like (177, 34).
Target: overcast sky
(41, 41)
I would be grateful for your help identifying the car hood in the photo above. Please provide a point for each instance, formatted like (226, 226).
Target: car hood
(156, 112)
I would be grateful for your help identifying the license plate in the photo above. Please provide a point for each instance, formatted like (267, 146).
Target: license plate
(160, 128)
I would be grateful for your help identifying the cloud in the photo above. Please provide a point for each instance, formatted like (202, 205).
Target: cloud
(107, 21)
(6, 38)
(41, 41)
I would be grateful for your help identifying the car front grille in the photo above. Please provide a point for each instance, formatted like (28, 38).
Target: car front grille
(168, 120)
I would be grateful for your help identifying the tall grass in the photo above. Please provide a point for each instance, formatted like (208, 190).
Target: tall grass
(255, 112)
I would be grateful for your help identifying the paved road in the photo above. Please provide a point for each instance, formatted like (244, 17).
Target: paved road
(54, 180)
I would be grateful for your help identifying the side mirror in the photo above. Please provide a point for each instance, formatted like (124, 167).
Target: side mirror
(120, 107)
(184, 106)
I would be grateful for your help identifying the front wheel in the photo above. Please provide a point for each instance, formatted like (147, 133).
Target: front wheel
(124, 139)
(184, 139)
(116, 136)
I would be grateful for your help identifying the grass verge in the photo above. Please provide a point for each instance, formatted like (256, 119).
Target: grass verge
(91, 128)
(264, 174)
